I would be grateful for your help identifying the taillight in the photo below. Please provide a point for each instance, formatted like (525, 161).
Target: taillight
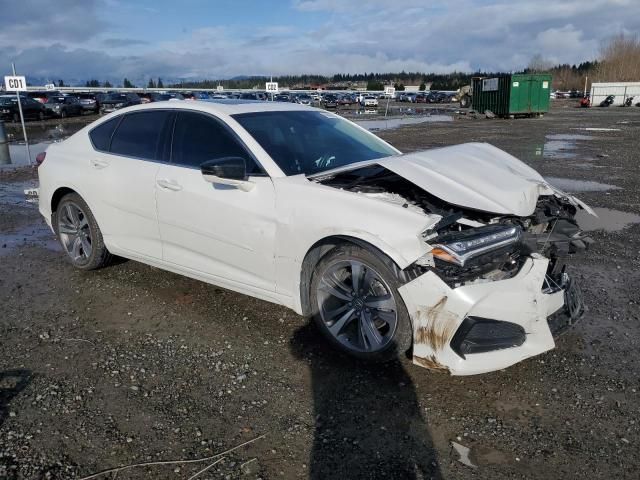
(40, 158)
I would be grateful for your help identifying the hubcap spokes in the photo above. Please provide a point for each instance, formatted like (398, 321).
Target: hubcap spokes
(74, 231)
(357, 306)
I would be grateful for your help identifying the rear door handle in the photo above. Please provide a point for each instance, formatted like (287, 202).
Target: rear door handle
(99, 163)
(169, 185)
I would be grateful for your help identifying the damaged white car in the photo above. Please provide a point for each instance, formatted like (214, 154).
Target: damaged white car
(453, 255)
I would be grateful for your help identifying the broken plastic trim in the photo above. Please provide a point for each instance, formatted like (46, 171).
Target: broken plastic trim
(480, 335)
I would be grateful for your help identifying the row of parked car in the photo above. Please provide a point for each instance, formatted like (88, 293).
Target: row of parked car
(48, 104)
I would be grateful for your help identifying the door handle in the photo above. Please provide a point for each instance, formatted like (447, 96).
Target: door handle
(169, 185)
(99, 163)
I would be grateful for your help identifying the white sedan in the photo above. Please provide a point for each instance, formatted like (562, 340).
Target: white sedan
(453, 256)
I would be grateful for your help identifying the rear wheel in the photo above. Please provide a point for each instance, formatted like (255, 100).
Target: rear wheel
(40, 115)
(356, 304)
(63, 114)
(16, 118)
(79, 233)
(465, 101)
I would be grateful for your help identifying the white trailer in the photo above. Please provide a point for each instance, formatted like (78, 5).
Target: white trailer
(621, 90)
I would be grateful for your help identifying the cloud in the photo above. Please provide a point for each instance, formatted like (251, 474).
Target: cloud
(122, 42)
(312, 36)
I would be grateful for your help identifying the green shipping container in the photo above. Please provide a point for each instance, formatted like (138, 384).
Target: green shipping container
(511, 95)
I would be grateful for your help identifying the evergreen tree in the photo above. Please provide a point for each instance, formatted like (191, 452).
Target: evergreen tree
(151, 83)
(127, 84)
(160, 85)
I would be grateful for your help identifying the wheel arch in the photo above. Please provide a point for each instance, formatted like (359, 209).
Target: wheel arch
(57, 196)
(319, 249)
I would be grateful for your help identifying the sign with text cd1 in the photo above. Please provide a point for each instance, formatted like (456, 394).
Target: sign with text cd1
(272, 87)
(15, 84)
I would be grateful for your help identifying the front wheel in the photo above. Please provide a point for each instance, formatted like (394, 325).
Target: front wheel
(79, 233)
(356, 304)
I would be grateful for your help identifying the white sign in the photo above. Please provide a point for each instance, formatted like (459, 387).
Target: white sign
(272, 87)
(49, 86)
(15, 84)
(389, 90)
(489, 84)
(545, 84)
(220, 88)
(516, 84)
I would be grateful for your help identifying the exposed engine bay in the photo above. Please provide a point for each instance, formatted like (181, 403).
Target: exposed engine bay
(473, 245)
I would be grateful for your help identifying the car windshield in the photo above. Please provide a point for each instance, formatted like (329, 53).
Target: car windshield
(311, 142)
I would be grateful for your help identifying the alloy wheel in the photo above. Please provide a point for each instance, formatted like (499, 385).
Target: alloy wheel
(74, 232)
(357, 306)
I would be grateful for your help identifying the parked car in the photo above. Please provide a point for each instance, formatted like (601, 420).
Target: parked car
(346, 99)
(282, 97)
(42, 95)
(369, 101)
(252, 96)
(31, 109)
(89, 102)
(63, 106)
(329, 101)
(456, 254)
(115, 101)
(304, 99)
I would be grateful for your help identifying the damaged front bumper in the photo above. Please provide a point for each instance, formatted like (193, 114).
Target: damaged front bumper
(483, 327)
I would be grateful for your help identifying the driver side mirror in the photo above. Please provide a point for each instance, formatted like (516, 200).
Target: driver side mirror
(227, 171)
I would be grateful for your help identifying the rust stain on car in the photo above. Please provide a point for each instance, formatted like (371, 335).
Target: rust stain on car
(434, 325)
(431, 363)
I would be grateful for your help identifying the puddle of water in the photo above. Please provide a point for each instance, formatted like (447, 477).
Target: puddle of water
(561, 145)
(390, 123)
(34, 235)
(608, 220)
(12, 193)
(571, 185)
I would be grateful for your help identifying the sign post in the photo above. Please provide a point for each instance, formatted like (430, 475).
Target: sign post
(272, 88)
(389, 92)
(18, 84)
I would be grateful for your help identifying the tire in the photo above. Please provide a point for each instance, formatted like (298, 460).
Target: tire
(80, 236)
(16, 118)
(465, 101)
(353, 335)
(63, 114)
(41, 116)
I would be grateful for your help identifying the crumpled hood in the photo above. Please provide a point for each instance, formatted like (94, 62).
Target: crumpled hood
(474, 175)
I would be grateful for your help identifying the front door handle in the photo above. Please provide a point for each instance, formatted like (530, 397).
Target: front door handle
(99, 163)
(169, 185)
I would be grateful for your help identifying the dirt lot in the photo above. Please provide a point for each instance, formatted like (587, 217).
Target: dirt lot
(131, 364)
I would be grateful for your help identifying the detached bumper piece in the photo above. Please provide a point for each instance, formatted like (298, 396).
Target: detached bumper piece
(480, 335)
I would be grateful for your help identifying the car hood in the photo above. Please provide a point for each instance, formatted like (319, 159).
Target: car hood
(477, 176)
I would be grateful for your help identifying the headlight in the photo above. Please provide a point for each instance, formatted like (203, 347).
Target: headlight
(461, 246)
(119, 105)
(5, 111)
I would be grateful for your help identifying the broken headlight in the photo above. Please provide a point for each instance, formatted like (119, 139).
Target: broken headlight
(459, 247)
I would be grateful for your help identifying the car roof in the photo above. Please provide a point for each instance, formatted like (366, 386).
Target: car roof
(223, 106)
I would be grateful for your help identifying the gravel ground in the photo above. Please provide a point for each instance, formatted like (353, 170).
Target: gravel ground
(131, 364)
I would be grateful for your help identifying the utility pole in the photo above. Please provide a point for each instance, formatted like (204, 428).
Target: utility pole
(24, 129)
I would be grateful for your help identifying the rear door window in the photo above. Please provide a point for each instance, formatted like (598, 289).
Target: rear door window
(142, 135)
(101, 135)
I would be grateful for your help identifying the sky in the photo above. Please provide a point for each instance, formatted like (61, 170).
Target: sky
(217, 39)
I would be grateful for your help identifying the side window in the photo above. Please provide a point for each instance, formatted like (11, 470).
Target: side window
(140, 135)
(101, 135)
(198, 138)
